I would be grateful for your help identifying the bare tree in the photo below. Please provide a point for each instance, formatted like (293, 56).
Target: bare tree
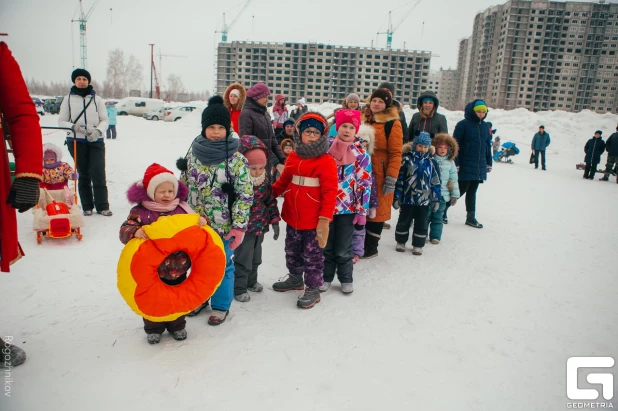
(175, 86)
(134, 73)
(116, 83)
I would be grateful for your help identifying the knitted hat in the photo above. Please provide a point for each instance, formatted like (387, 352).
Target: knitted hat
(388, 86)
(256, 157)
(423, 138)
(287, 143)
(479, 105)
(384, 95)
(156, 174)
(598, 132)
(301, 101)
(235, 92)
(352, 97)
(543, 127)
(288, 123)
(257, 91)
(80, 72)
(52, 151)
(348, 116)
(428, 100)
(216, 113)
(304, 124)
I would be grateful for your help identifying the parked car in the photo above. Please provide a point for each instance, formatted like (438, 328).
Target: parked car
(48, 103)
(157, 114)
(38, 103)
(55, 107)
(177, 113)
(136, 106)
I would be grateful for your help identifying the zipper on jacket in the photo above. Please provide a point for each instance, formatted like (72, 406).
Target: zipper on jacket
(478, 168)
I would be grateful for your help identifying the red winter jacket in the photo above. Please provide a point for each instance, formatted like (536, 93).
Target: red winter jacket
(302, 206)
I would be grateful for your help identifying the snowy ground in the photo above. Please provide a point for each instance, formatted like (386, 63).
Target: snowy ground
(484, 321)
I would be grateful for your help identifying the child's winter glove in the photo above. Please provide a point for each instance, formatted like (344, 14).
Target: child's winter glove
(74, 176)
(489, 169)
(396, 203)
(389, 185)
(238, 236)
(435, 205)
(322, 231)
(359, 222)
(276, 230)
(24, 193)
(453, 201)
(372, 213)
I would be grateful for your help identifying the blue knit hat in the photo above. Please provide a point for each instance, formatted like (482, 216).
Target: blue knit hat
(423, 138)
(288, 123)
(310, 122)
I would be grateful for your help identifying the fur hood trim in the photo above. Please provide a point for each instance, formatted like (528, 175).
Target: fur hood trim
(136, 193)
(241, 99)
(409, 147)
(453, 147)
(391, 113)
(368, 134)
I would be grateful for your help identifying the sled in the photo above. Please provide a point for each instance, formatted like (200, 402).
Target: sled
(509, 149)
(582, 166)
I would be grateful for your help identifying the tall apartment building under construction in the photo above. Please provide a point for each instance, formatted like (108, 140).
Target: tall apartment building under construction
(320, 72)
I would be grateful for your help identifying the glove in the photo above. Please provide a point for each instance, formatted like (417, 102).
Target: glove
(24, 193)
(93, 134)
(396, 203)
(276, 230)
(322, 231)
(435, 205)
(74, 176)
(359, 222)
(453, 201)
(489, 169)
(372, 213)
(389, 185)
(79, 129)
(238, 236)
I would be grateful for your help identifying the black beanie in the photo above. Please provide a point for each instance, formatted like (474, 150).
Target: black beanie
(389, 86)
(80, 72)
(216, 113)
(383, 94)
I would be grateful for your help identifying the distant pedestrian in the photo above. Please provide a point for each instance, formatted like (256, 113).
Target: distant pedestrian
(540, 142)
(611, 145)
(593, 149)
(112, 115)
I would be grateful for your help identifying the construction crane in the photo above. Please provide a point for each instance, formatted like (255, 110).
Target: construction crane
(390, 30)
(82, 20)
(226, 28)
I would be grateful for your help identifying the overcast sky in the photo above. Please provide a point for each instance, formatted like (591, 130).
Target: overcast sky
(46, 43)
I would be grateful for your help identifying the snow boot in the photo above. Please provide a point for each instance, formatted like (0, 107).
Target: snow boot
(445, 217)
(218, 317)
(180, 335)
(154, 338)
(400, 247)
(387, 226)
(243, 298)
(435, 241)
(471, 221)
(310, 297)
(604, 178)
(324, 287)
(293, 282)
(347, 288)
(256, 288)
(371, 245)
(417, 251)
(15, 355)
(198, 309)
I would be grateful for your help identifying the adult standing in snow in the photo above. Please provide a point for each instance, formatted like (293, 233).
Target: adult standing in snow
(280, 113)
(593, 149)
(255, 121)
(402, 116)
(233, 99)
(474, 160)
(611, 145)
(84, 112)
(112, 115)
(20, 117)
(428, 119)
(540, 142)
(383, 117)
(301, 108)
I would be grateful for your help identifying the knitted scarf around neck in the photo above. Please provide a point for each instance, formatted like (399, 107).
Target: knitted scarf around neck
(213, 152)
(342, 151)
(314, 149)
(82, 92)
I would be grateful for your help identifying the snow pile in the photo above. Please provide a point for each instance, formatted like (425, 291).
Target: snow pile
(486, 320)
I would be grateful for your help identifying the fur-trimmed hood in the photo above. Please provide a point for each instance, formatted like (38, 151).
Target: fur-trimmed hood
(137, 193)
(391, 113)
(409, 147)
(453, 149)
(368, 134)
(55, 149)
(241, 99)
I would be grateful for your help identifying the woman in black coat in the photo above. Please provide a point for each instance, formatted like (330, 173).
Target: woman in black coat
(593, 149)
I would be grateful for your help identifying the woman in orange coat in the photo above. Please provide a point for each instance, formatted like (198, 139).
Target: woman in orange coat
(386, 159)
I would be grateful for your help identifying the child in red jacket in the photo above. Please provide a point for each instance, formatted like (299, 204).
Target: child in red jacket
(309, 183)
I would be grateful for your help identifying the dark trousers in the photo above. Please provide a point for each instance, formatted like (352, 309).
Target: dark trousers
(111, 132)
(537, 154)
(590, 170)
(373, 233)
(611, 166)
(152, 327)
(247, 259)
(407, 215)
(91, 169)
(338, 253)
(469, 188)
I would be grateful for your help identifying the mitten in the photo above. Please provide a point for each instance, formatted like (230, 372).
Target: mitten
(24, 193)
(435, 205)
(276, 230)
(396, 203)
(372, 213)
(322, 231)
(453, 201)
(489, 169)
(359, 222)
(79, 129)
(74, 176)
(93, 134)
(238, 236)
(389, 185)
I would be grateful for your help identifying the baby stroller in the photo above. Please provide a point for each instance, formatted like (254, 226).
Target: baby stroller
(508, 149)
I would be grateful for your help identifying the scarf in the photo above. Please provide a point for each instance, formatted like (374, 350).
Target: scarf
(82, 92)
(259, 180)
(342, 152)
(315, 149)
(213, 152)
(160, 208)
(52, 165)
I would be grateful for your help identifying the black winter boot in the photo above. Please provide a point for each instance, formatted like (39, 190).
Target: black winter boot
(371, 245)
(293, 282)
(310, 297)
(605, 178)
(471, 221)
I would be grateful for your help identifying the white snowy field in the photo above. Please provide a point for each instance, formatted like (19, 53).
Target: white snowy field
(484, 321)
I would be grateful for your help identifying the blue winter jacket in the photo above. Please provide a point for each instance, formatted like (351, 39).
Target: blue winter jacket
(112, 113)
(541, 141)
(474, 141)
(419, 180)
(593, 149)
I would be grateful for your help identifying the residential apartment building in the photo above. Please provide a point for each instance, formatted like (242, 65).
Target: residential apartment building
(542, 55)
(434, 82)
(321, 72)
(448, 88)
